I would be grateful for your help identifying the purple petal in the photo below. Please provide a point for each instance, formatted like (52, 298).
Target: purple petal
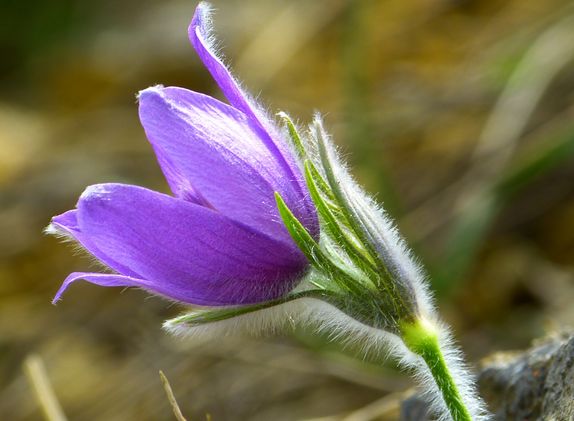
(178, 183)
(200, 37)
(182, 250)
(209, 147)
(101, 279)
(67, 224)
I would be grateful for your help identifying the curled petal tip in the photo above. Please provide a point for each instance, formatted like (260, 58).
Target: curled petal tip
(71, 277)
(201, 17)
(101, 279)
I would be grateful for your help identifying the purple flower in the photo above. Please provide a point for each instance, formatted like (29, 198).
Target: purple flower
(219, 240)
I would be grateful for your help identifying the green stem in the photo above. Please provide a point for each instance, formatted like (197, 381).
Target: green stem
(421, 338)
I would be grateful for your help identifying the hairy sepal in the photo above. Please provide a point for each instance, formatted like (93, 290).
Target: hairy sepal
(209, 315)
(406, 281)
(401, 274)
(309, 312)
(329, 321)
(333, 227)
(324, 263)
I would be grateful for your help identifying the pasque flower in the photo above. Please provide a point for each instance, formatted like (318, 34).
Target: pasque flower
(219, 239)
(240, 235)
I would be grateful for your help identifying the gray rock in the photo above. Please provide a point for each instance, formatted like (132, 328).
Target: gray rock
(414, 408)
(558, 403)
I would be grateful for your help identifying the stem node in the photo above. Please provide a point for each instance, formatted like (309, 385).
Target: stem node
(422, 338)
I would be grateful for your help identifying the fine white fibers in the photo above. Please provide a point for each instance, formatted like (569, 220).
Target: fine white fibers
(208, 34)
(325, 319)
(397, 257)
(54, 230)
(392, 247)
(311, 313)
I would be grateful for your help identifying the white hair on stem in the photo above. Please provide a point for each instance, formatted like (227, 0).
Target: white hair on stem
(396, 254)
(323, 318)
(340, 327)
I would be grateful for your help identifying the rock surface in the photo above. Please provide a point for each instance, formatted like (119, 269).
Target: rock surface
(537, 384)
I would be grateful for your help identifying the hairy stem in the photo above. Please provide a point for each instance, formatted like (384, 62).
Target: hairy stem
(421, 338)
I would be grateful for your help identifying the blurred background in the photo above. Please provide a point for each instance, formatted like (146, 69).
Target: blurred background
(457, 114)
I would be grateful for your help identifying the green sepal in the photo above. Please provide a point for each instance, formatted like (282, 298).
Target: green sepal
(361, 225)
(299, 234)
(293, 134)
(339, 195)
(214, 314)
(350, 245)
(312, 250)
(321, 184)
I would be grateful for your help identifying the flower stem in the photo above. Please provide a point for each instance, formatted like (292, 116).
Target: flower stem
(421, 337)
